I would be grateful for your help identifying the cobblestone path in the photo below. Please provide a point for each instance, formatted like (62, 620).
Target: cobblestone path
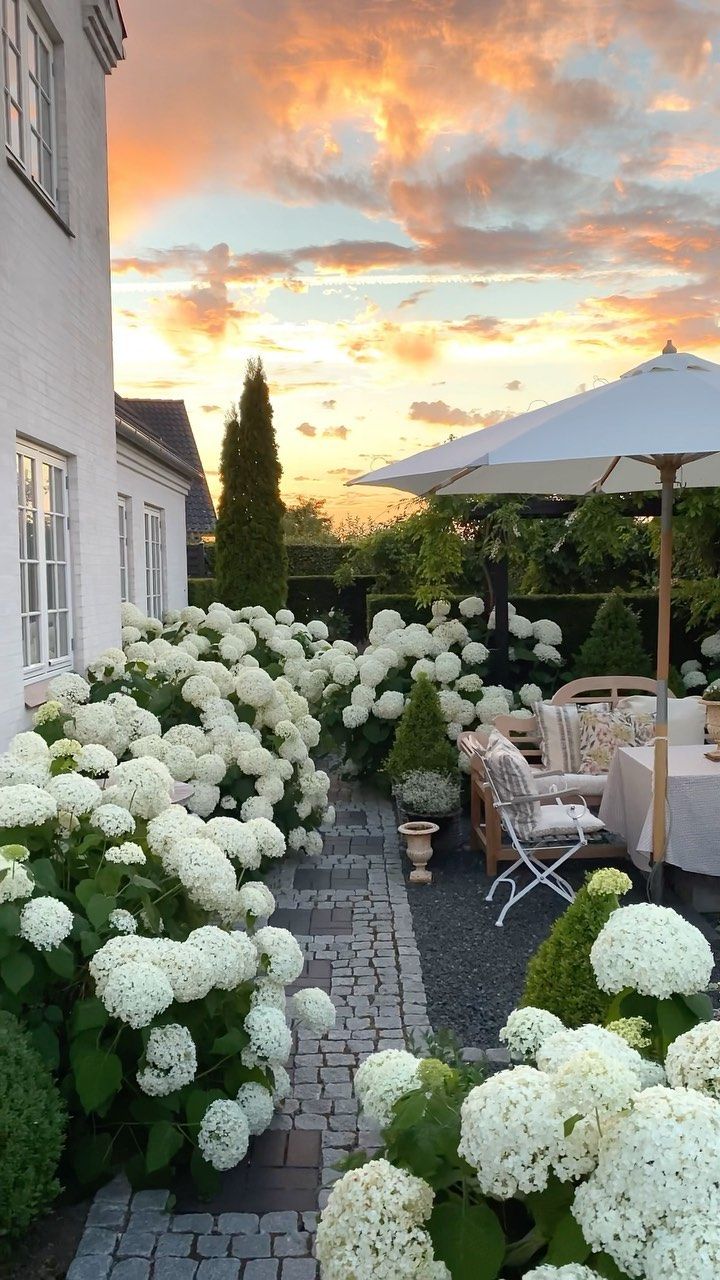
(349, 910)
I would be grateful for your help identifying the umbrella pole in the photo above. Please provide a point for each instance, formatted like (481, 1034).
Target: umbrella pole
(660, 765)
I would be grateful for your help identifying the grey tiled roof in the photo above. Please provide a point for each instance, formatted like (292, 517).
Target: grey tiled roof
(167, 422)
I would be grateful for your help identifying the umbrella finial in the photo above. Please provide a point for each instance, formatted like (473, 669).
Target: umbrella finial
(669, 349)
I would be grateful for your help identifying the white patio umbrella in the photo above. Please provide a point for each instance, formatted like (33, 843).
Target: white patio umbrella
(659, 424)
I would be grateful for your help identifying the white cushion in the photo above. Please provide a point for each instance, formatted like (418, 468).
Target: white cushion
(559, 729)
(512, 776)
(686, 717)
(588, 784)
(557, 818)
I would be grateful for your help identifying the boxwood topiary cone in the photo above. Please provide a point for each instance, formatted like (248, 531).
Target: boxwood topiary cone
(421, 740)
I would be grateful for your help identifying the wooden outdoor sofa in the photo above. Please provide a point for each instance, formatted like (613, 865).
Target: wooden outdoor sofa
(486, 829)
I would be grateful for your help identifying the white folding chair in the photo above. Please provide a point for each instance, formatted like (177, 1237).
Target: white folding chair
(528, 847)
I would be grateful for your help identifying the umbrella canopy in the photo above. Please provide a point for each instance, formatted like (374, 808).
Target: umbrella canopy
(656, 421)
(666, 407)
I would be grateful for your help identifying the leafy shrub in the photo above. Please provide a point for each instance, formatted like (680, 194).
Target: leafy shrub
(32, 1130)
(317, 595)
(614, 645)
(559, 975)
(315, 558)
(426, 792)
(406, 605)
(421, 739)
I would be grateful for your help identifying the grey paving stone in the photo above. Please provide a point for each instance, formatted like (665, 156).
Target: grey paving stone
(296, 1244)
(212, 1246)
(136, 1244)
(174, 1269)
(299, 1269)
(199, 1223)
(173, 1245)
(115, 1192)
(277, 1222)
(104, 1214)
(149, 1220)
(90, 1267)
(97, 1240)
(252, 1246)
(263, 1269)
(150, 1200)
(231, 1224)
(131, 1269)
(219, 1269)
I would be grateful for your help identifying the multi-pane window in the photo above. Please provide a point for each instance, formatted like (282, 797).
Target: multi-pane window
(124, 541)
(27, 57)
(154, 556)
(44, 560)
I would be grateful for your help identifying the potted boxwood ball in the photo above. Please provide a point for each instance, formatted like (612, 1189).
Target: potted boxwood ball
(429, 796)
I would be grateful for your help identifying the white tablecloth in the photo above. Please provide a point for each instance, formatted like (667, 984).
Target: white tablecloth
(693, 806)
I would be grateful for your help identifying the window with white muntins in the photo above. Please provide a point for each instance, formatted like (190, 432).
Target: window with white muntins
(124, 541)
(45, 606)
(29, 93)
(154, 562)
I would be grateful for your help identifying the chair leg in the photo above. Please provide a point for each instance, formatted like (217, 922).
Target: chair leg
(475, 813)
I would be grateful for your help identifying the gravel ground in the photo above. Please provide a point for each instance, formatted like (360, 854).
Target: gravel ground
(473, 971)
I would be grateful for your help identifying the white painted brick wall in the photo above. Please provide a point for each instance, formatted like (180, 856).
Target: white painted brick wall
(56, 374)
(145, 481)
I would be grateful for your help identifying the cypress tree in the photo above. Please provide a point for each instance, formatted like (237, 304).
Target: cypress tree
(614, 645)
(250, 555)
(421, 740)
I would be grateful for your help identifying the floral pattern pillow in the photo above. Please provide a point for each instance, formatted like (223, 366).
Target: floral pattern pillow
(601, 733)
(644, 724)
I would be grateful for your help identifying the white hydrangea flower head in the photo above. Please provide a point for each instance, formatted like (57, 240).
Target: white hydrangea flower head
(469, 684)
(237, 840)
(254, 687)
(564, 1045)
(29, 747)
(690, 1247)
(283, 1084)
(114, 820)
(547, 632)
(203, 799)
(590, 1083)
(223, 1136)
(571, 1271)
(123, 921)
(636, 1032)
(45, 923)
(471, 607)
(389, 705)
(512, 1131)
(65, 749)
(658, 1164)
(314, 1009)
(354, 716)
(548, 654)
(282, 953)
(256, 807)
(257, 1103)
(693, 1059)
(255, 897)
(24, 805)
(15, 772)
(69, 689)
(652, 950)
(16, 884)
(50, 710)
(127, 854)
(474, 653)
(520, 627)
(448, 667)
(232, 955)
(96, 760)
(529, 694)
(694, 680)
(269, 837)
(609, 880)
(710, 647)
(170, 1060)
(136, 992)
(269, 1033)
(526, 1030)
(490, 706)
(382, 1079)
(142, 786)
(74, 793)
(371, 1227)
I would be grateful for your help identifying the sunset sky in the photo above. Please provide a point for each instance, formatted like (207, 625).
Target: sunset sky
(423, 214)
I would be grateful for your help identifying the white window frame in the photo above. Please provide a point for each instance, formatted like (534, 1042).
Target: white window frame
(154, 533)
(125, 544)
(59, 567)
(32, 93)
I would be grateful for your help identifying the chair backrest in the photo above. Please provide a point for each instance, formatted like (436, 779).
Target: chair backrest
(524, 731)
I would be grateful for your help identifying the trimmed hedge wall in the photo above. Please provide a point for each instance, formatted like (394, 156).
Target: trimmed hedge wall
(309, 596)
(575, 614)
(312, 559)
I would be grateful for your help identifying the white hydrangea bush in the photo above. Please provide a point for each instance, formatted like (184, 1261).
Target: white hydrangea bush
(142, 929)
(602, 1148)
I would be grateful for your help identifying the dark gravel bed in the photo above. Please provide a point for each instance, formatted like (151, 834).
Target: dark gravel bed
(473, 971)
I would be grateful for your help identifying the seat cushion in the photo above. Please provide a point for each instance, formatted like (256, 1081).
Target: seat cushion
(601, 733)
(588, 784)
(559, 730)
(557, 819)
(686, 717)
(512, 776)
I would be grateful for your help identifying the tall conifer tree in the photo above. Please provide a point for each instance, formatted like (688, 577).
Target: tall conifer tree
(250, 555)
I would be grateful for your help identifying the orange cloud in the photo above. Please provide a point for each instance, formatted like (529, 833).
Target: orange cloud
(438, 413)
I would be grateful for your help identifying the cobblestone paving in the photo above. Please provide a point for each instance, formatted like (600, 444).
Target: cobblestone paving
(350, 912)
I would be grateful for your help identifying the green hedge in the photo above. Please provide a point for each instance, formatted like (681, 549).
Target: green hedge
(311, 559)
(309, 596)
(575, 614)
(32, 1131)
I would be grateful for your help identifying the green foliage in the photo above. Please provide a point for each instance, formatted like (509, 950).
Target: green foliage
(202, 592)
(250, 555)
(316, 596)
(307, 521)
(32, 1130)
(614, 645)
(559, 976)
(315, 558)
(406, 605)
(420, 738)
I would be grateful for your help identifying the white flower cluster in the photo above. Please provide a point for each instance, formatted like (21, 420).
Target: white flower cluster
(693, 1060)
(512, 1132)
(371, 1228)
(382, 1079)
(652, 950)
(170, 1060)
(526, 1030)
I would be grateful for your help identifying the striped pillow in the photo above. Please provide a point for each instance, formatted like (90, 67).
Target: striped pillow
(559, 728)
(512, 776)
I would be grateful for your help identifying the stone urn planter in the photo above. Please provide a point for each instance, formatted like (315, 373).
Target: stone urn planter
(448, 837)
(418, 836)
(712, 713)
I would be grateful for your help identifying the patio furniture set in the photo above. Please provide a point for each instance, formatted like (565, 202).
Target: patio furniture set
(575, 779)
